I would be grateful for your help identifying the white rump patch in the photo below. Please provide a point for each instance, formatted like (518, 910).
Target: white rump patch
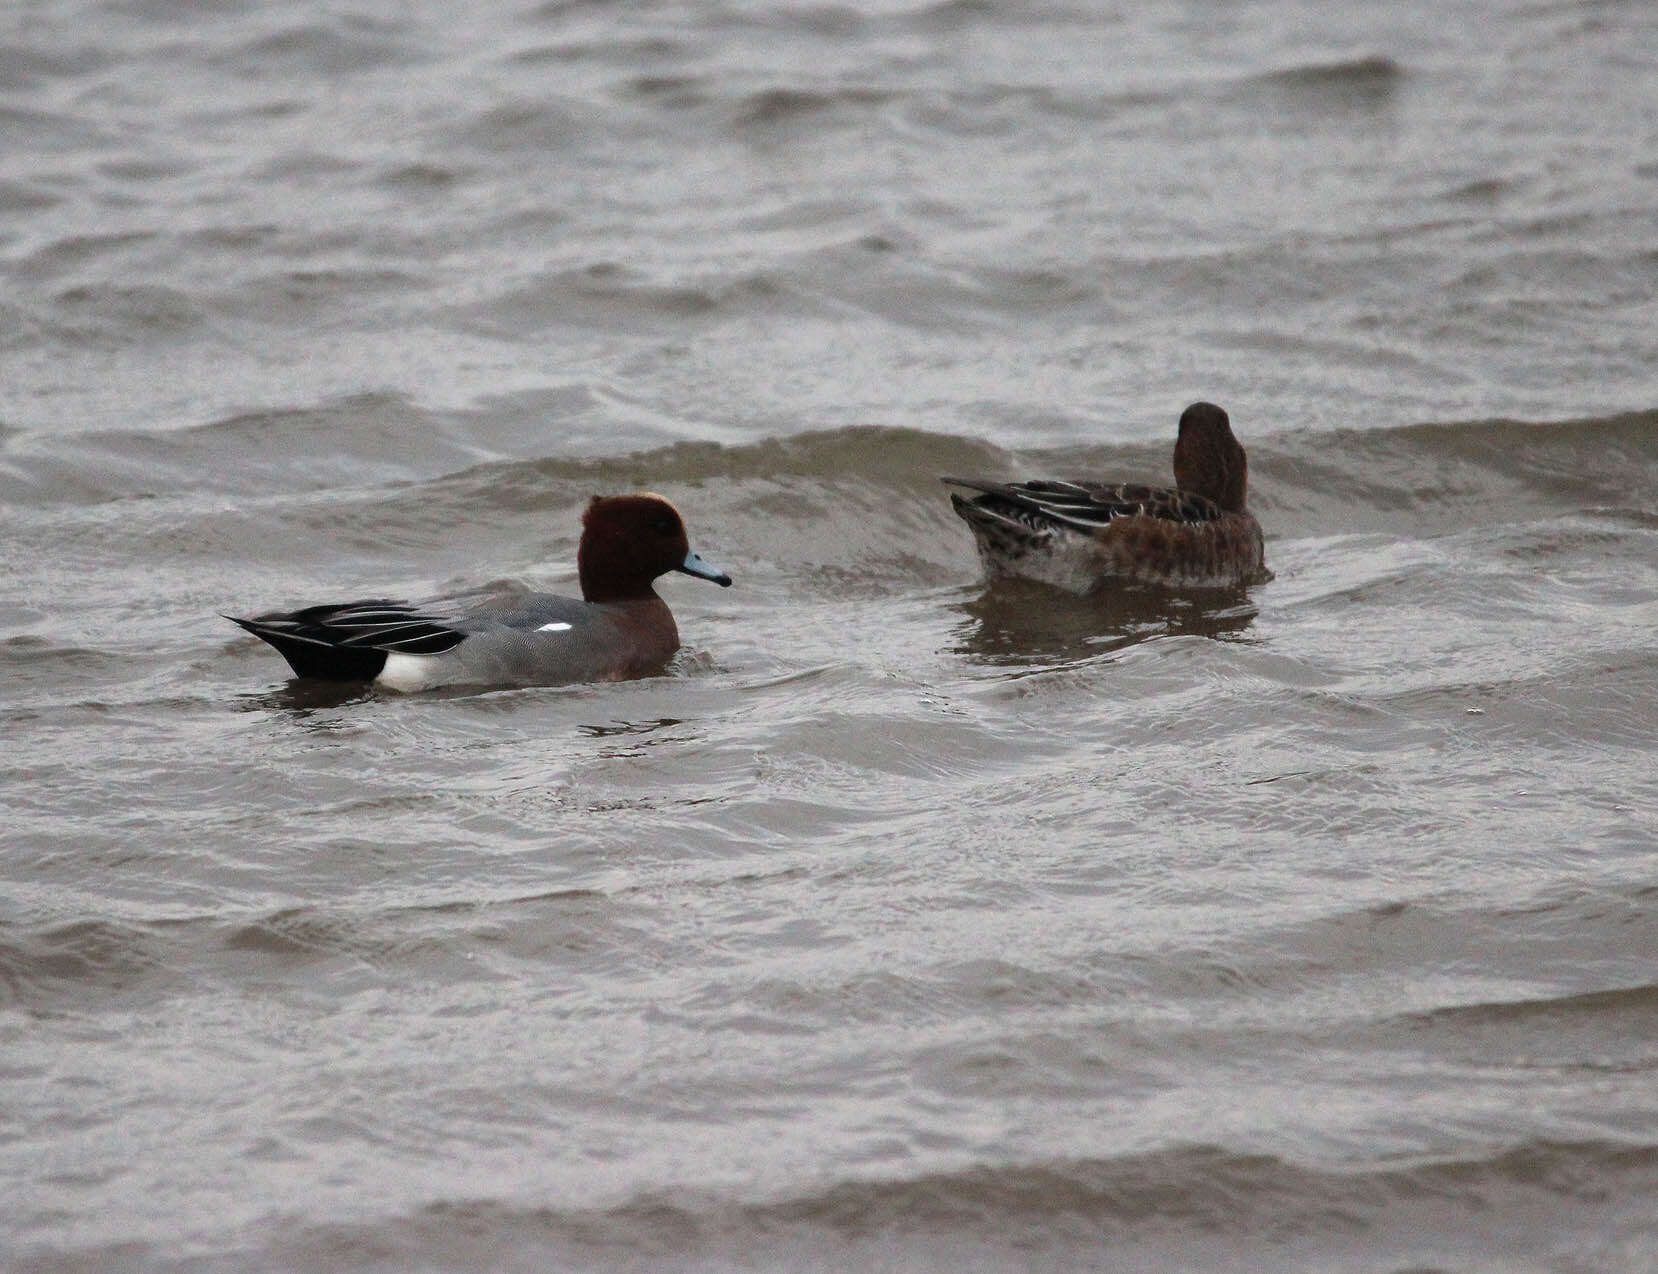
(556, 626)
(408, 672)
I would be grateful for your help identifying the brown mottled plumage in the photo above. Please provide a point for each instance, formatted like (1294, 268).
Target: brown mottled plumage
(1083, 535)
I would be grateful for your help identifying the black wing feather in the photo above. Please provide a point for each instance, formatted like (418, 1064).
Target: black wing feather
(1087, 506)
(350, 641)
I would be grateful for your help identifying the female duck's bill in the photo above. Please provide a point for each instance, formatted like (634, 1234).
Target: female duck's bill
(1084, 535)
(506, 634)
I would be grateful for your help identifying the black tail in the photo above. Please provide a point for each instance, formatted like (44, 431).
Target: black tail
(313, 657)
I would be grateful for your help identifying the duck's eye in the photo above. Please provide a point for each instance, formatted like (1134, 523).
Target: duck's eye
(664, 526)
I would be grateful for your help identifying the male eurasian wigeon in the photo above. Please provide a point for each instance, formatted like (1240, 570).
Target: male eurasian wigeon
(505, 634)
(1084, 535)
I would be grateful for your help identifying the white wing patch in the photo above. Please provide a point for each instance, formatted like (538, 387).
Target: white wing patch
(557, 626)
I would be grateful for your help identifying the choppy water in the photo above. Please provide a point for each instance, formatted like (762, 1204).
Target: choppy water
(908, 925)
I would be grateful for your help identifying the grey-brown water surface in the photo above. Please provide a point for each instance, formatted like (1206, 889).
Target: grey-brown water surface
(908, 924)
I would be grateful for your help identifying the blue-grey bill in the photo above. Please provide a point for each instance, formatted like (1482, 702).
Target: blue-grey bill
(694, 565)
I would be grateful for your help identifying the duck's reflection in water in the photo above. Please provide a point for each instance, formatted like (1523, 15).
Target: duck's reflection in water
(1017, 623)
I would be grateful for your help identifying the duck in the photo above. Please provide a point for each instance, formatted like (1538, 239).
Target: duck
(504, 634)
(1083, 536)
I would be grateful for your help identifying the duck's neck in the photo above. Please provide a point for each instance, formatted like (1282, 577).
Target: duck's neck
(609, 576)
(1211, 468)
(603, 590)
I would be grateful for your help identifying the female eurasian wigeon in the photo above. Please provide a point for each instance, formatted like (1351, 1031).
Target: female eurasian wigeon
(1084, 535)
(505, 634)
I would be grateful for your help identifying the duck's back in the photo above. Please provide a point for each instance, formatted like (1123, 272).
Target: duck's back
(517, 637)
(1081, 536)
